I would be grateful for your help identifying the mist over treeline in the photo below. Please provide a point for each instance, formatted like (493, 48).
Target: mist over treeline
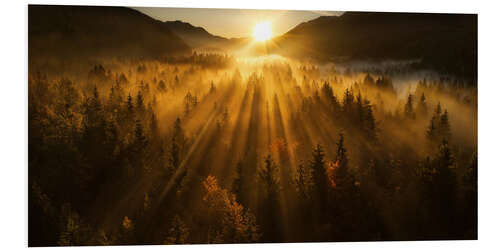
(215, 148)
(441, 42)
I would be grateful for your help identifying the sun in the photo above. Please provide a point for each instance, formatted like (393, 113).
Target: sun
(262, 31)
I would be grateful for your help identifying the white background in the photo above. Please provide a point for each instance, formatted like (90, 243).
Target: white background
(13, 106)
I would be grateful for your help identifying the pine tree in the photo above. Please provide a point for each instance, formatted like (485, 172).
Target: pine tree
(303, 182)
(439, 127)
(317, 166)
(268, 176)
(368, 80)
(130, 105)
(369, 125)
(422, 106)
(444, 127)
(347, 103)
(433, 128)
(438, 109)
(153, 125)
(342, 178)
(445, 167)
(443, 191)
(139, 103)
(345, 198)
(140, 138)
(360, 112)
(470, 196)
(237, 186)
(327, 93)
(270, 206)
(178, 132)
(111, 99)
(470, 176)
(161, 86)
(178, 232)
(95, 108)
(409, 112)
(212, 87)
(176, 145)
(187, 103)
(174, 159)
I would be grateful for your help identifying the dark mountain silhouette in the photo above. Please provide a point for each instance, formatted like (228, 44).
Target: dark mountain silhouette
(89, 31)
(194, 36)
(199, 38)
(443, 42)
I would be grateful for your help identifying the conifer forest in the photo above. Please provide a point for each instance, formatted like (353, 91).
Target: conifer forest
(146, 144)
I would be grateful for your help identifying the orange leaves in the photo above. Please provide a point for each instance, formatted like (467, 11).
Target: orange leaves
(278, 145)
(330, 172)
(231, 222)
(127, 223)
(220, 199)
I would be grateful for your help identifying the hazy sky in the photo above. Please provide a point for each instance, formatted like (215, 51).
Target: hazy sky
(234, 22)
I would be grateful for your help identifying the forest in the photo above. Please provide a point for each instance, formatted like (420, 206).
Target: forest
(215, 148)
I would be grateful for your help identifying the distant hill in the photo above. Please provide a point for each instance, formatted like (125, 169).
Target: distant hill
(195, 37)
(88, 31)
(444, 42)
(199, 38)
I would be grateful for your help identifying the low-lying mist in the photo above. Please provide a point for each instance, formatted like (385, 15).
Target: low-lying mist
(216, 148)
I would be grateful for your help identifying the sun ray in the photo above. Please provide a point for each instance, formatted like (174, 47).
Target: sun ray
(262, 31)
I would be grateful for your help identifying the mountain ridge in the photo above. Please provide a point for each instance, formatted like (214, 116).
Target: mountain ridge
(194, 36)
(445, 42)
(87, 31)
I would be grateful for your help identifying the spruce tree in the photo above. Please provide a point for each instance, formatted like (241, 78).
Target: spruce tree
(130, 105)
(270, 207)
(369, 125)
(140, 138)
(342, 176)
(176, 145)
(422, 106)
(360, 112)
(444, 127)
(141, 108)
(237, 186)
(318, 170)
(443, 192)
(153, 125)
(368, 80)
(174, 159)
(409, 113)
(268, 176)
(303, 182)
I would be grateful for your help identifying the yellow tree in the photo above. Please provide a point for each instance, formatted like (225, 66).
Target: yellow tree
(232, 223)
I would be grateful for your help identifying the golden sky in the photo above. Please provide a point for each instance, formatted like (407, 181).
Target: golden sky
(231, 23)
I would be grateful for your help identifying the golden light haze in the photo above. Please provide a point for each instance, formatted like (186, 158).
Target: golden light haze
(262, 31)
(232, 23)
